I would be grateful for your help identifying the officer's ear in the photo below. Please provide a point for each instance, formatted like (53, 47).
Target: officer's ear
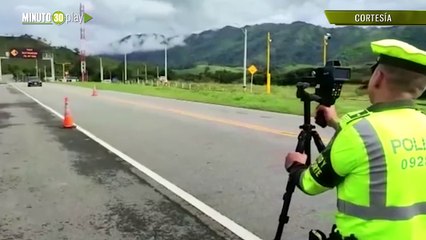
(378, 78)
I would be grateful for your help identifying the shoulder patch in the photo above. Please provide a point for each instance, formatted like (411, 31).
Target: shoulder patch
(352, 116)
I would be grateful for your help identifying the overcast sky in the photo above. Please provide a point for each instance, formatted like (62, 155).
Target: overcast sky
(114, 19)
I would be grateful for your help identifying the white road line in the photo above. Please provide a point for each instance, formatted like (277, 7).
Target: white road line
(215, 215)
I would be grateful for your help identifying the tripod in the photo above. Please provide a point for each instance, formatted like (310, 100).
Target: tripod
(303, 146)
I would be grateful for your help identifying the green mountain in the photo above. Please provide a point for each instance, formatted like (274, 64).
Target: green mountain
(295, 43)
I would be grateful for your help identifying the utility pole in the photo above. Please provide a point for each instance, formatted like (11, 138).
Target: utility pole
(166, 45)
(158, 73)
(146, 74)
(63, 71)
(165, 61)
(52, 68)
(125, 67)
(137, 73)
(50, 56)
(45, 73)
(36, 67)
(268, 56)
(327, 36)
(101, 69)
(245, 60)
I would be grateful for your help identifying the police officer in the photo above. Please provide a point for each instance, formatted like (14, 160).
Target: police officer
(377, 157)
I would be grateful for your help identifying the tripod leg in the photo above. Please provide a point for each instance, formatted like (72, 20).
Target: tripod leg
(284, 218)
(291, 186)
(307, 147)
(318, 142)
(301, 142)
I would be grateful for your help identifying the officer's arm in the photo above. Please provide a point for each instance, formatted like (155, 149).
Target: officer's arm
(317, 178)
(332, 165)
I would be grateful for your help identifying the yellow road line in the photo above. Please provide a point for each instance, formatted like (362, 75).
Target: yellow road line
(204, 117)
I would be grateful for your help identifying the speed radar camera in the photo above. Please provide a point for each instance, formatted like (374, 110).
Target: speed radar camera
(328, 82)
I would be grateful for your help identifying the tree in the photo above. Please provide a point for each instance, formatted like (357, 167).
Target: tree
(92, 68)
(29, 72)
(118, 72)
(15, 70)
(75, 68)
(224, 76)
(206, 70)
(292, 77)
(107, 72)
(171, 75)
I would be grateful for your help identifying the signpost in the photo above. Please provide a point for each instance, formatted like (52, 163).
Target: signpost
(64, 73)
(252, 70)
(7, 56)
(29, 53)
(49, 57)
(26, 53)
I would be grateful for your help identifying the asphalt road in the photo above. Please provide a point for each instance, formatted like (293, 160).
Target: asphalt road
(58, 184)
(229, 158)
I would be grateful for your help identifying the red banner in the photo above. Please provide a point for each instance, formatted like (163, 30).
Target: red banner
(27, 53)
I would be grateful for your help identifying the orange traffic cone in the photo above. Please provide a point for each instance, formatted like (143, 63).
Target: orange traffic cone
(68, 121)
(94, 92)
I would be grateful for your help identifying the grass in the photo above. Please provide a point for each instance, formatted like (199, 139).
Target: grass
(281, 99)
(213, 68)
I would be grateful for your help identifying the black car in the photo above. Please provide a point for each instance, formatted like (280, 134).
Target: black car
(34, 81)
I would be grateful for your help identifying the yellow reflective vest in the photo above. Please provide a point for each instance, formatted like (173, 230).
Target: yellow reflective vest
(377, 162)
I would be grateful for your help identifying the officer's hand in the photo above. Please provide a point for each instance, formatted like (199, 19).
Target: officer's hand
(329, 114)
(294, 157)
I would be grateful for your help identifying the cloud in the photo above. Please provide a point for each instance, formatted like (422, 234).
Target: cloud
(115, 19)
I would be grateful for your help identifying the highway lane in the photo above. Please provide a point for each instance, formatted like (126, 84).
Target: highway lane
(229, 158)
(57, 184)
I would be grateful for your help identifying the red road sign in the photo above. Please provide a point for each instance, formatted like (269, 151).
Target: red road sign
(27, 53)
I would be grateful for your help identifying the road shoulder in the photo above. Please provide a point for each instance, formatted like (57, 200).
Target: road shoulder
(58, 184)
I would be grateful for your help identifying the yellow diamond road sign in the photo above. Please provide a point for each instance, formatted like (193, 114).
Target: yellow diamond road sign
(252, 69)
